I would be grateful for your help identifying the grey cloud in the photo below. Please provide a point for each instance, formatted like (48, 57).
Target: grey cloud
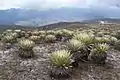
(46, 4)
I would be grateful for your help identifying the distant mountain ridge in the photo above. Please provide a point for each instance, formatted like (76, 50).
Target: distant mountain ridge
(40, 18)
(110, 20)
(46, 27)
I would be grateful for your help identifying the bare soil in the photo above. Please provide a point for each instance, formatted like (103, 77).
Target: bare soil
(12, 67)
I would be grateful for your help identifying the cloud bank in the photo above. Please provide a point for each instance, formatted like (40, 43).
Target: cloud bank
(47, 4)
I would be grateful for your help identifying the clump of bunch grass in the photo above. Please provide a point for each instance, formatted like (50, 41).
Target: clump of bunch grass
(102, 39)
(117, 34)
(26, 44)
(17, 30)
(22, 34)
(14, 34)
(59, 35)
(102, 48)
(52, 32)
(117, 45)
(75, 45)
(26, 48)
(113, 41)
(42, 37)
(61, 58)
(99, 53)
(9, 39)
(35, 33)
(50, 38)
(36, 39)
(27, 35)
(9, 31)
(85, 38)
(0, 36)
(88, 41)
(59, 32)
(61, 64)
(42, 32)
(19, 33)
(67, 33)
(99, 34)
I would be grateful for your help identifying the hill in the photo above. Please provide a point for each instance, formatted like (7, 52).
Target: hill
(40, 18)
(110, 20)
(46, 27)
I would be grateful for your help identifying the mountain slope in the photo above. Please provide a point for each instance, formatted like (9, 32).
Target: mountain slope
(40, 18)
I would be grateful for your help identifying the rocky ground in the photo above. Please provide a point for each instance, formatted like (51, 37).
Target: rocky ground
(12, 67)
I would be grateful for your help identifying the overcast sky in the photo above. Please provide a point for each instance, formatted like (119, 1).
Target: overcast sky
(47, 4)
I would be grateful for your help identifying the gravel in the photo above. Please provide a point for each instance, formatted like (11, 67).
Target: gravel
(12, 67)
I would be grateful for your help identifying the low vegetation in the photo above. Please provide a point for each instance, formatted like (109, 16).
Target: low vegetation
(82, 45)
(26, 48)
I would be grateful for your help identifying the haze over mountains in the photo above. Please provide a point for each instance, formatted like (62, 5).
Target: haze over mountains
(31, 17)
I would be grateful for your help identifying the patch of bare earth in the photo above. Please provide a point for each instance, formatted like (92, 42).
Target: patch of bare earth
(12, 67)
